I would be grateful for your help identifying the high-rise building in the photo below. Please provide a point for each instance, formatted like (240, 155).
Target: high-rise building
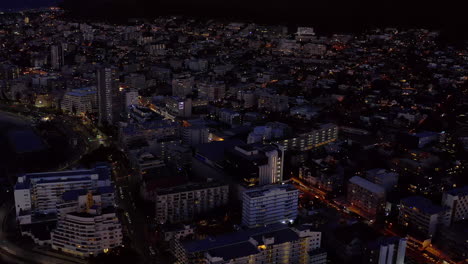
(87, 224)
(269, 244)
(269, 204)
(38, 193)
(109, 98)
(367, 197)
(386, 250)
(56, 57)
(457, 201)
(184, 202)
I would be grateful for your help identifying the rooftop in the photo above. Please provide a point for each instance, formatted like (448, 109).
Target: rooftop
(264, 190)
(101, 170)
(372, 187)
(463, 191)
(229, 239)
(190, 187)
(422, 204)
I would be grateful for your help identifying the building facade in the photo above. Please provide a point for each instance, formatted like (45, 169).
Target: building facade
(457, 201)
(256, 164)
(263, 245)
(386, 250)
(39, 193)
(80, 101)
(367, 197)
(184, 202)
(325, 134)
(269, 204)
(420, 216)
(87, 224)
(109, 99)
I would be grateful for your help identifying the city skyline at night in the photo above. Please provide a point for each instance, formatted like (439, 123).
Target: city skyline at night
(233, 132)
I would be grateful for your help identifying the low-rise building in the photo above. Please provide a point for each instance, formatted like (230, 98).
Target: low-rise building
(367, 197)
(80, 101)
(263, 245)
(325, 134)
(420, 215)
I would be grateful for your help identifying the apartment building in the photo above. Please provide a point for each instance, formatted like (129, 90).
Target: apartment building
(269, 204)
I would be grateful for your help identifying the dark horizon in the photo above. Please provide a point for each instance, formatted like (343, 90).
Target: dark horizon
(326, 17)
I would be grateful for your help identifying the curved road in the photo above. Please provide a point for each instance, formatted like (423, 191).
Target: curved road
(21, 255)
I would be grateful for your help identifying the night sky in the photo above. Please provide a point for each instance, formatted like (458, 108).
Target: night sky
(325, 16)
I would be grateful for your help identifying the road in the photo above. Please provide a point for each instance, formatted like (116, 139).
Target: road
(428, 255)
(22, 255)
(135, 223)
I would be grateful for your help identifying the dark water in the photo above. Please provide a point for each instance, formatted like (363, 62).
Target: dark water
(17, 141)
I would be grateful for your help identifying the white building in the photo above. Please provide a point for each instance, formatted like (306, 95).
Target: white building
(87, 225)
(457, 201)
(257, 164)
(108, 93)
(38, 193)
(386, 250)
(269, 204)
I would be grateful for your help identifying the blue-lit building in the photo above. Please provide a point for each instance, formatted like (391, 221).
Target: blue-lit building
(37, 194)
